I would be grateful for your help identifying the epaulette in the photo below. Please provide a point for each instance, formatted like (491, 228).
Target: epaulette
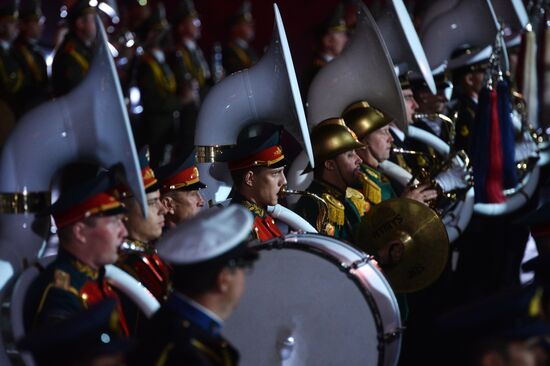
(62, 280)
(371, 191)
(358, 200)
(336, 210)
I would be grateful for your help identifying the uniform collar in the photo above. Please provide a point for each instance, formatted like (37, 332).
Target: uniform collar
(133, 245)
(197, 314)
(253, 207)
(330, 189)
(79, 265)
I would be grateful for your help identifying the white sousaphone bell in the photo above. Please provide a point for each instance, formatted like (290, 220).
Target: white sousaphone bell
(267, 92)
(88, 124)
(468, 22)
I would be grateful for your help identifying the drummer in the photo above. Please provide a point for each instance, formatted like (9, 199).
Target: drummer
(337, 165)
(372, 128)
(257, 168)
(208, 281)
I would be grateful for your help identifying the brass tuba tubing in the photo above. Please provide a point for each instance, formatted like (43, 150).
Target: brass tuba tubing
(322, 219)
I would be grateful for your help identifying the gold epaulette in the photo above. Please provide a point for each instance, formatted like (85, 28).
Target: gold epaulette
(336, 210)
(358, 200)
(371, 191)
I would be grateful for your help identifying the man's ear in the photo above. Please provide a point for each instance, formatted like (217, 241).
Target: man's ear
(469, 79)
(330, 164)
(169, 203)
(79, 231)
(249, 178)
(224, 280)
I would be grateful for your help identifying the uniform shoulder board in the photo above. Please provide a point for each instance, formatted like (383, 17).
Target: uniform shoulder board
(371, 191)
(336, 210)
(358, 200)
(62, 280)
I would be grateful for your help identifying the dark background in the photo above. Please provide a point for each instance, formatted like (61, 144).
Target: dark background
(301, 19)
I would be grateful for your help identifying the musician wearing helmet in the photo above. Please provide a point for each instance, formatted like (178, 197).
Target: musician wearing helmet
(90, 230)
(209, 280)
(372, 128)
(180, 190)
(73, 57)
(257, 168)
(336, 171)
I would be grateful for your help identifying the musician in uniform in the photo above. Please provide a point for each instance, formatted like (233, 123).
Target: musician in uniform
(157, 84)
(209, 280)
(371, 127)
(238, 54)
(35, 88)
(432, 109)
(87, 338)
(72, 59)
(190, 68)
(138, 255)
(90, 229)
(332, 38)
(336, 168)
(11, 75)
(257, 168)
(467, 66)
(180, 190)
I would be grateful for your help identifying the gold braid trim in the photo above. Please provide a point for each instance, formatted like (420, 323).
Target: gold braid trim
(164, 82)
(164, 355)
(29, 59)
(358, 200)
(80, 60)
(372, 192)
(243, 57)
(336, 210)
(198, 74)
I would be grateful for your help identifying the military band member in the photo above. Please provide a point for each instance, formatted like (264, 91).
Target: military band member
(72, 59)
(209, 280)
(87, 338)
(157, 84)
(467, 66)
(332, 38)
(433, 108)
(11, 75)
(138, 255)
(238, 54)
(336, 171)
(35, 88)
(190, 68)
(371, 127)
(257, 168)
(90, 229)
(180, 190)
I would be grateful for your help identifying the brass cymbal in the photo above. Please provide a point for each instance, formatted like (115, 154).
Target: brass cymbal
(408, 240)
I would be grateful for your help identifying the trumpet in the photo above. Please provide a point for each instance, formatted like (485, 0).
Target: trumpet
(322, 225)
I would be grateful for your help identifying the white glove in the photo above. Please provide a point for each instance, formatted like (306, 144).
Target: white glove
(453, 178)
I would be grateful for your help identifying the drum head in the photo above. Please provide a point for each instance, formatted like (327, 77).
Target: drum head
(299, 308)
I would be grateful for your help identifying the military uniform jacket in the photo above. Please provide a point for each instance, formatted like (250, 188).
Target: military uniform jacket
(70, 64)
(189, 64)
(11, 78)
(142, 262)
(182, 334)
(264, 227)
(466, 108)
(64, 288)
(344, 210)
(443, 132)
(35, 89)
(238, 56)
(376, 186)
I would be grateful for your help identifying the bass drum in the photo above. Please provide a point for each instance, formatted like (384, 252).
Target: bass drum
(314, 300)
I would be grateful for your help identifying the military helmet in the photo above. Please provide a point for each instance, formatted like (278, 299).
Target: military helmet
(363, 119)
(331, 138)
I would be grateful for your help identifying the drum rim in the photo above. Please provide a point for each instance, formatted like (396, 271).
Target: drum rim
(282, 243)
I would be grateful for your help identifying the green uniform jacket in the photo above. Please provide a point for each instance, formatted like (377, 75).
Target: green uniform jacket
(343, 214)
(11, 79)
(70, 64)
(376, 186)
(236, 57)
(35, 89)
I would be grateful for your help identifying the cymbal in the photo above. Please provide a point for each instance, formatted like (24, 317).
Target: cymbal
(408, 240)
